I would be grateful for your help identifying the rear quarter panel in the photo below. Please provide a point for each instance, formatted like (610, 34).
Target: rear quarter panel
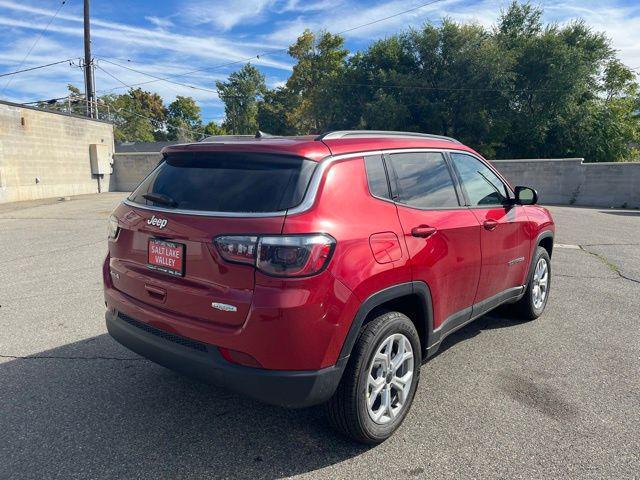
(346, 210)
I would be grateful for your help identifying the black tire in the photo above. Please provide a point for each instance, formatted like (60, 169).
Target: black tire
(347, 411)
(525, 308)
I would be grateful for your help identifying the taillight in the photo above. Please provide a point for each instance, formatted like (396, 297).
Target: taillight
(113, 227)
(294, 256)
(279, 255)
(241, 249)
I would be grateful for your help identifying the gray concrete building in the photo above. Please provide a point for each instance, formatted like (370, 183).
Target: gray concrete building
(47, 154)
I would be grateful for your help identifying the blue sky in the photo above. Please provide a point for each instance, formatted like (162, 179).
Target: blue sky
(175, 36)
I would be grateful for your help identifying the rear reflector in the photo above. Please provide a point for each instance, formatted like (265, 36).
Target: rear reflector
(279, 255)
(239, 358)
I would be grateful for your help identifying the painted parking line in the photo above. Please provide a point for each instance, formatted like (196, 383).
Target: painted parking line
(568, 246)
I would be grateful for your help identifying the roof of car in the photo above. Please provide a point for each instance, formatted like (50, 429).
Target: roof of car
(318, 147)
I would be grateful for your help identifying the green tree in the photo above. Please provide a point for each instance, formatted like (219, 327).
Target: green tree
(321, 63)
(74, 103)
(212, 128)
(610, 126)
(443, 80)
(521, 89)
(183, 120)
(241, 94)
(138, 115)
(273, 110)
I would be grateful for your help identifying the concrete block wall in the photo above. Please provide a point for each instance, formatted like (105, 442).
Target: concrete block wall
(558, 181)
(129, 169)
(611, 185)
(566, 181)
(570, 181)
(49, 147)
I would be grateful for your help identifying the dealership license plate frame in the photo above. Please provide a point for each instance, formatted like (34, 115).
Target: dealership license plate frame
(175, 272)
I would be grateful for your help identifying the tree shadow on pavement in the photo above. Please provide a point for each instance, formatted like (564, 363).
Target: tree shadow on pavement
(70, 414)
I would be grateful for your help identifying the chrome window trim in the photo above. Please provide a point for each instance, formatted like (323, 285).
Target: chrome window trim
(310, 195)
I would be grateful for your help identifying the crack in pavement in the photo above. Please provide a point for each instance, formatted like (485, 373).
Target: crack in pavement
(53, 357)
(612, 266)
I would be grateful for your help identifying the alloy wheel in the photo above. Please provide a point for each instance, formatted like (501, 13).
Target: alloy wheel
(389, 379)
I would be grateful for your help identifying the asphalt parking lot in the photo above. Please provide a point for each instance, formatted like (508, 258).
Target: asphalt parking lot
(554, 398)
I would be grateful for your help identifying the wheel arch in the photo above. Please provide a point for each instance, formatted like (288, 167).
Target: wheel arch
(411, 298)
(544, 240)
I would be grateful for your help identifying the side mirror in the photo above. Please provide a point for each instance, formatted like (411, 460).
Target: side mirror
(526, 196)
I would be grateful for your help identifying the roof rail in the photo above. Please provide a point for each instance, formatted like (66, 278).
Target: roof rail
(379, 133)
(222, 138)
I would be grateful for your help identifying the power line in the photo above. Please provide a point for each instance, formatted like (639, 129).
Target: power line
(447, 89)
(199, 131)
(113, 76)
(36, 68)
(157, 78)
(216, 91)
(42, 32)
(272, 52)
(389, 17)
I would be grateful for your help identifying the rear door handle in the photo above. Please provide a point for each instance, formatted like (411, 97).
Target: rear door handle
(156, 293)
(423, 231)
(490, 224)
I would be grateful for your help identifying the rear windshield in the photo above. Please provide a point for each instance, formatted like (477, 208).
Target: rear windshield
(226, 182)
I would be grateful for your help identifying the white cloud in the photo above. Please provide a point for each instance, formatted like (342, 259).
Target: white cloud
(225, 14)
(620, 23)
(353, 14)
(210, 48)
(160, 22)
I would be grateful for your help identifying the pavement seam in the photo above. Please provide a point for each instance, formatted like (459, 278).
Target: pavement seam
(53, 357)
(583, 276)
(610, 245)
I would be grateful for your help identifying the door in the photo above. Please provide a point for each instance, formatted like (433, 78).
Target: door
(441, 235)
(502, 236)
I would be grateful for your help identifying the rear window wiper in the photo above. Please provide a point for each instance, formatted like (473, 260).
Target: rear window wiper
(160, 198)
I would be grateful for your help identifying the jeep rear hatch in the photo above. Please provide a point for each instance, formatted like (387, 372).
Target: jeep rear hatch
(164, 253)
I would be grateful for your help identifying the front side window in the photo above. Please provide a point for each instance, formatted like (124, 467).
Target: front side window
(482, 186)
(424, 180)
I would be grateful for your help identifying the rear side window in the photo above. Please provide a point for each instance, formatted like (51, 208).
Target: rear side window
(226, 182)
(424, 180)
(483, 187)
(377, 177)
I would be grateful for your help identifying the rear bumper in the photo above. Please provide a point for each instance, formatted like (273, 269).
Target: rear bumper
(293, 389)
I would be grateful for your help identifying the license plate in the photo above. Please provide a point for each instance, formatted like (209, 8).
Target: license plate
(167, 257)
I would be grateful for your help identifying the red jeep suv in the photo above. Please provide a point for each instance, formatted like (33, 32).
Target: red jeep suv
(310, 270)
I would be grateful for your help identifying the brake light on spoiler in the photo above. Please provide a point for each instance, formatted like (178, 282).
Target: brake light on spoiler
(279, 255)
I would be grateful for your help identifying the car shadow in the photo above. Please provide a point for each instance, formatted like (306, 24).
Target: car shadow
(71, 412)
(623, 214)
(491, 321)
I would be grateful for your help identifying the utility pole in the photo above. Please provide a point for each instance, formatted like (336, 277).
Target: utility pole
(90, 88)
